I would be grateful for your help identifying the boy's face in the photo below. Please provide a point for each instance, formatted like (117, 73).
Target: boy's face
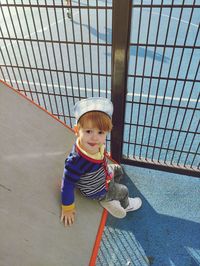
(91, 138)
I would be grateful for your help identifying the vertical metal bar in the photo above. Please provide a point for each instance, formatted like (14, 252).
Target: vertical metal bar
(13, 50)
(68, 45)
(83, 53)
(9, 60)
(70, 70)
(75, 52)
(26, 50)
(134, 82)
(186, 136)
(54, 58)
(27, 55)
(143, 72)
(33, 50)
(28, 58)
(165, 89)
(106, 66)
(42, 56)
(196, 153)
(98, 58)
(150, 84)
(120, 37)
(159, 120)
(106, 48)
(169, 71)
(186, 107)
(2, 73)
(157, 88)
(179, 67)
(158, 85)
(58, 78)
(189, 149)
(192, 140)
(90, 48)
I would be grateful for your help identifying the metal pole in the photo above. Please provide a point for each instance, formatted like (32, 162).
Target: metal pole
(120, 44)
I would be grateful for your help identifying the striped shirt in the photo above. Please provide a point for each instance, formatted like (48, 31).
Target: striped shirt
(87, 174)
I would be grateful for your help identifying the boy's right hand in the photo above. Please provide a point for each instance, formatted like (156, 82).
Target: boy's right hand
(67, 217)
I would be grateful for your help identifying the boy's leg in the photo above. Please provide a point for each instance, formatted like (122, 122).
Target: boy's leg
(117, 171)
(118, 192)
(112, 202)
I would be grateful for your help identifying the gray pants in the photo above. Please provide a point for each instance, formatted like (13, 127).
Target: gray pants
(117, 191)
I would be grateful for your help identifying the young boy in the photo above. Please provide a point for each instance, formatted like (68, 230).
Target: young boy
(69, 10)
(86, 167)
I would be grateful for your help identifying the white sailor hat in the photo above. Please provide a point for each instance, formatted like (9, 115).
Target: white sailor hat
(99, 104)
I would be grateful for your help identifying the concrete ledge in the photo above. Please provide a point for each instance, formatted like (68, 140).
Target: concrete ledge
(33, 146)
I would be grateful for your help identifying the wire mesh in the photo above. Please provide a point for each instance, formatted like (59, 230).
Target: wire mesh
(162, 103)
(57, 52)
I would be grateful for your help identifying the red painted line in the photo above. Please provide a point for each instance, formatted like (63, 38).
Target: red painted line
(98, 238)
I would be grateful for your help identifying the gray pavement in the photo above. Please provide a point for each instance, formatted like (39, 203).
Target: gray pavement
(33, 146)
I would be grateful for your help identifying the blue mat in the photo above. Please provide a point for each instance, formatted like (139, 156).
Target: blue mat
(165, 231)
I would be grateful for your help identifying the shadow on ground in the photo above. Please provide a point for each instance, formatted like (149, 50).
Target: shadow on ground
(139, 51)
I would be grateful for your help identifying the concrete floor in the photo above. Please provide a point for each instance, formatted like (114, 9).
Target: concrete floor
(33, 146)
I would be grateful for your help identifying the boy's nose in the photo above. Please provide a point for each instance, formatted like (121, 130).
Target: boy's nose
(94, 136)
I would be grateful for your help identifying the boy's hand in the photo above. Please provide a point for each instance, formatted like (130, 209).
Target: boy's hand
(67, 217)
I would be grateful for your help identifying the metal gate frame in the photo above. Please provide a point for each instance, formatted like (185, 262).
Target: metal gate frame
(53, 98)
(120, 60)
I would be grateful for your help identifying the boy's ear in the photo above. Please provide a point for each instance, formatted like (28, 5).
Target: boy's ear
(76, 129)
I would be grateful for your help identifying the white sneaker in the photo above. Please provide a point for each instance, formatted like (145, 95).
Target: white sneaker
(114, 208)
(134, 204)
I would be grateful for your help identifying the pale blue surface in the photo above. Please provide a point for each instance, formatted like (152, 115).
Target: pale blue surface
(165, 231)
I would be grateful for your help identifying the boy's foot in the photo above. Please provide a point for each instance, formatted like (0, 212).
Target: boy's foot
(114, 208)
(134, 204)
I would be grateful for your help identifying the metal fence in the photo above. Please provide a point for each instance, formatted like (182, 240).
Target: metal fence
(161, 99)
(55, 60)
(143, 55)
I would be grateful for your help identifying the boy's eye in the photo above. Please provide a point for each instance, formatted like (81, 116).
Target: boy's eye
(101, 132)
(88, 131)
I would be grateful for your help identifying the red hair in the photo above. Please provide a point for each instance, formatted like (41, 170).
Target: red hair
(98, 120)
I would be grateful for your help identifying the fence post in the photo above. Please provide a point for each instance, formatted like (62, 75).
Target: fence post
(121, 25)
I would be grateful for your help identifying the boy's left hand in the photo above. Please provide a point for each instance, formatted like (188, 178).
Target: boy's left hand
(67, 217)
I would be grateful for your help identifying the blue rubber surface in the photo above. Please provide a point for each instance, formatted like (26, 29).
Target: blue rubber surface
(165, 231)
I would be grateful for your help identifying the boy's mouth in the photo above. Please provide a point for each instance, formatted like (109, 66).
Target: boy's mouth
(92, 144)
